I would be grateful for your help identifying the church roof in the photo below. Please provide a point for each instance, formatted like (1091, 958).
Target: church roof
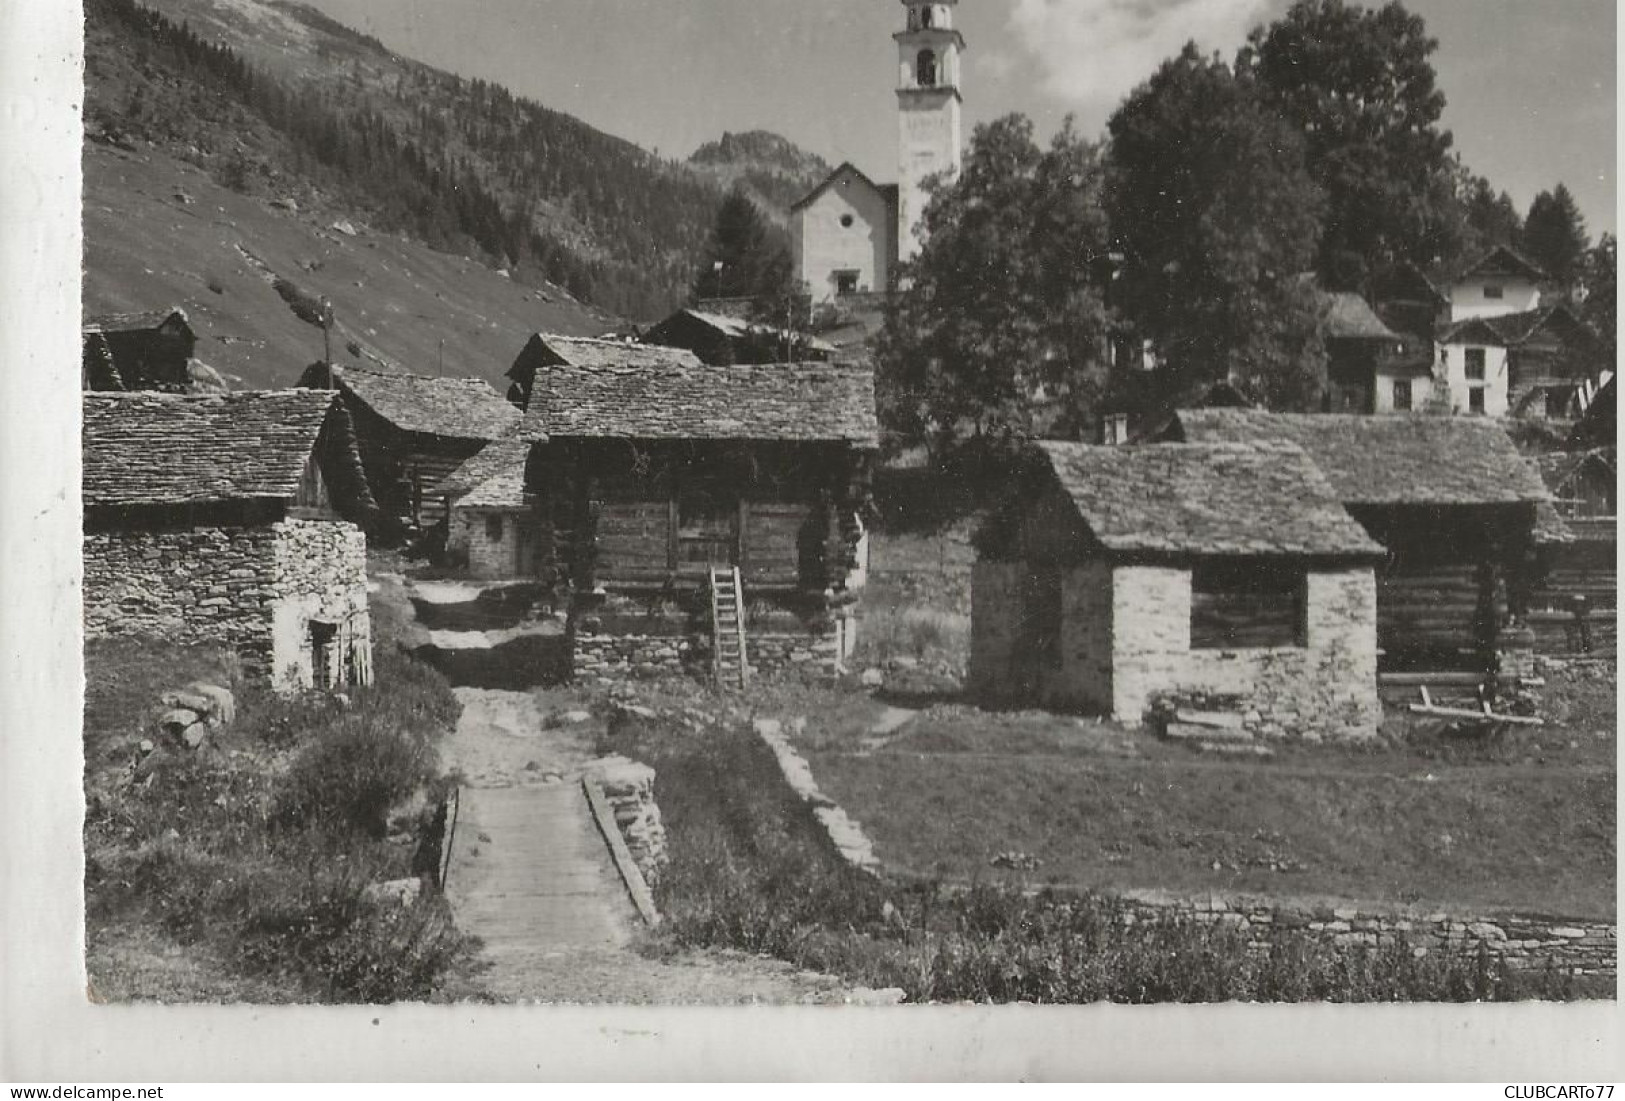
(886, 191)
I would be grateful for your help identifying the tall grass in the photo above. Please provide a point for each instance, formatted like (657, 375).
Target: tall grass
(261, 848)
(752, 869)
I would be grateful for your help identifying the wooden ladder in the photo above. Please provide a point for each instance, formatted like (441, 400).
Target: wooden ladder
(728, 657)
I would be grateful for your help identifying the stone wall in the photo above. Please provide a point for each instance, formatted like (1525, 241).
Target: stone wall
(629, 789)
(1576, 947)
(320, 574)
(996, 670)
(188, 585)
(468, 538)
(612, 657)
(1324, 689)
(1087, 617)
(254, 589)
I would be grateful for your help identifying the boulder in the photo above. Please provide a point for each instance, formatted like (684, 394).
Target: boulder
(872, 678)
(195, 736)
(223, 703)
(397, 892)
(175, 721)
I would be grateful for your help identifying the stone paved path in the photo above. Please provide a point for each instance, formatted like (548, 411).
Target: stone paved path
(532, 877)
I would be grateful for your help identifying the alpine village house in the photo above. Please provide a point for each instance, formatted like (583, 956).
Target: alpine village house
(641, 494)
(413, 431)
(233, 519)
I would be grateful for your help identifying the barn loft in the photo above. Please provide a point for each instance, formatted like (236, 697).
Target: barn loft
(1222, 575)
(648, 478)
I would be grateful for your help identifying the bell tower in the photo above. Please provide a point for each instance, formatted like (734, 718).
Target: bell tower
(928, 109)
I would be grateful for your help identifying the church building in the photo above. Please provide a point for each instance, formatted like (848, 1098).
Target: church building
(849, 233)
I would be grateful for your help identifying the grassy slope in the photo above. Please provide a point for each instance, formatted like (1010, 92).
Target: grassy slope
(146, 249)
(1529, 826)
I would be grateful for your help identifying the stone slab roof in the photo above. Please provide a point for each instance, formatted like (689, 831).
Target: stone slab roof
(1350, 317)
(139, 321)
(147, 448)
(493, 478)
(587, 351)
(1264, 498)
(1399, 459)
(459, 408)
(739, 327)
(769, 401)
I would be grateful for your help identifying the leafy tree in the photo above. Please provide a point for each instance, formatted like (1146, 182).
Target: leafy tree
(1217, 219)
(1600, 283)
(1554, 235)
(744, 258)
(1360, 87)
(1000, 318)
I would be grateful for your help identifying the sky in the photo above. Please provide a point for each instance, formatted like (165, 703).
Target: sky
(1530, 85)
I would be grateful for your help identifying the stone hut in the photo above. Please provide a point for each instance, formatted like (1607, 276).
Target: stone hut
(1222, 576)
(1450, 499)
(138, 351)
(492, 524)
(719, 338)
(234, 519)
(544, 350)
(414, 431)
(644, 478)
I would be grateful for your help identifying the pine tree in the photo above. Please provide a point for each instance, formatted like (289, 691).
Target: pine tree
(1554, 236)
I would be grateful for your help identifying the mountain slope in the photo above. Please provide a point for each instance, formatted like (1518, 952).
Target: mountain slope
(537, 190)
(159, 232)
(774, 171)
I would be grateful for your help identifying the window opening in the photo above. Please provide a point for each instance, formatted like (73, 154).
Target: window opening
(493, 529)
(1475, 400)
(1402, 394)
(846, 282)
(1494, 290)
(926, 69)
(1475, 364)
(1248, 605)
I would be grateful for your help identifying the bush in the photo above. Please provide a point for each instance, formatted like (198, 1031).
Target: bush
(259, 851)
(349, 779)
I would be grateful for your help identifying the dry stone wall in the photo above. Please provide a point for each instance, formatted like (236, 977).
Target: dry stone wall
(252, 588)
(1575, 947)
(188, 585)
(629, 789)
(320, 573)
(1324, 689)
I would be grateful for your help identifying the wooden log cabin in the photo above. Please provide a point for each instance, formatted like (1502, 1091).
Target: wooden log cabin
(1574, 604)
(414, 432)
(1450, 500)
(646, 478)
(138, 351)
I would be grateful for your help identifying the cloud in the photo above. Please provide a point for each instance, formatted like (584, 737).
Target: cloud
(1091, 53)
